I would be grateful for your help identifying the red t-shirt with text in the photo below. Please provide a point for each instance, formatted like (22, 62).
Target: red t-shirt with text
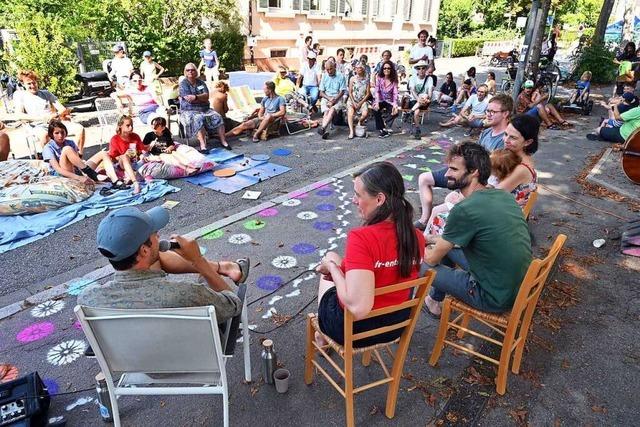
(118, 146)
(373, 248)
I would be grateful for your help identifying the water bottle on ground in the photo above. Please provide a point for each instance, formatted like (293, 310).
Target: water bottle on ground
(104, 402)
(269, 361)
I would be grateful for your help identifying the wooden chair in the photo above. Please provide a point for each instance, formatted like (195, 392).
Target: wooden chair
(513, 326)
(528, 207)
(347, 351)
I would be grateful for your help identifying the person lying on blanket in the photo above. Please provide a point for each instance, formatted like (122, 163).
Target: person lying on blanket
(63, 158)
(126, 148)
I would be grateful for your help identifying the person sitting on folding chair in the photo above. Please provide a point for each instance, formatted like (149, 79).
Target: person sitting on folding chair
(359, 95)
(272, 110)
(421, 92)
(493, 237)
(386, 250)
(148, 274)
(196, 116)
(40, 106)
(332, 90)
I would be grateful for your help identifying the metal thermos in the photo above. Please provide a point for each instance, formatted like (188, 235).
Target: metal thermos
(269, 361)
(104, 402)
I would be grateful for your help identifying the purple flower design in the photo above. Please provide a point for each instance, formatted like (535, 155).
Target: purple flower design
(35, 332)
(303, 248)
(323, 225)
(269, 283)
(324, 192)
(325, 207)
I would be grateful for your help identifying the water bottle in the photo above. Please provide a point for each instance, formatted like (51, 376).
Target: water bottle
(104, 402)
(269, 361)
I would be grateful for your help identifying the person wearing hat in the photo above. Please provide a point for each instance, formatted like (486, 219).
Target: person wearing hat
(128, 238)
(121, 66)
(150, 69)
(421, 92)
(527, 105)
(309, 79)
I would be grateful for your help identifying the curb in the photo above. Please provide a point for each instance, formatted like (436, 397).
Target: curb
(597, 169)
(105, 271)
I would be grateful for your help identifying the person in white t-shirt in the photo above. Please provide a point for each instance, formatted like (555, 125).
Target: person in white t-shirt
(39, 106)
(421, 51)
(121, 66)
(421, 92)
(474, 111)
(309, 79)
(150, 69)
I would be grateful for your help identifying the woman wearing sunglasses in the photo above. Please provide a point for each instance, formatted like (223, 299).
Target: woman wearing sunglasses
(385, 95)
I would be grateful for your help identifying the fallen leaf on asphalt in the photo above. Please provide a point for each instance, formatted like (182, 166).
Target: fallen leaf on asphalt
(557, 422)
(75, 238)
(519, 415)
(163, 403)
(280, 244)
(280, 319)
(452, 417)
(260, 309)
(431, 400)
(374, 410)
(599, 409)
(565, 364)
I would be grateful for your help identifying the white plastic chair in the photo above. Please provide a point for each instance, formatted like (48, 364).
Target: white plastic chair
(174, 347)
(108, 115)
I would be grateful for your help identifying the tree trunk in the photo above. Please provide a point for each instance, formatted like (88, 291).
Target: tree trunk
(628, 24)
(536, 44)
(603, 19)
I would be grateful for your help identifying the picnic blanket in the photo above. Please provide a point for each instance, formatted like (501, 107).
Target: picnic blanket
(248, 172)
(16, 231)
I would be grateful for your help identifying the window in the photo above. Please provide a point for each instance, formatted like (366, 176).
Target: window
(408, 6)
(426, 12)
(365, 7)
(278, 53)
(269, 4)
(274, 4)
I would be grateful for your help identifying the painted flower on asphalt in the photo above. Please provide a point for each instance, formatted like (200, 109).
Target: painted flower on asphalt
(307, 215)
(66, 352)
(47, 308)
(284, 261)
(239, 239)
(291, 202)
(35, 332)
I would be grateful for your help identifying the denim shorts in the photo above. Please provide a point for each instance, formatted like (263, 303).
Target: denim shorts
(440, 181)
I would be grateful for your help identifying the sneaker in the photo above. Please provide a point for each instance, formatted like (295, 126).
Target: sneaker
(416, 133)
(468, 133)
(325, 135)
(384, 134)
(419, 225)
(320, 131)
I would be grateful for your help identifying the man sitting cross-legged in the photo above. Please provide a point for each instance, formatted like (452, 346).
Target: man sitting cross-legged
(332, 90)
(148, 278)
(473, 111)
(272, 109)
(498, 113)
(492, 235)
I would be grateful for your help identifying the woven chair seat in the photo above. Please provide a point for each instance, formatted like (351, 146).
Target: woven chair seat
(340, 349)
(501, 319)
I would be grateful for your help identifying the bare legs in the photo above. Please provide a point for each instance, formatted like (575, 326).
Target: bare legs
(425, 190)
(125, 163)
(4, 146)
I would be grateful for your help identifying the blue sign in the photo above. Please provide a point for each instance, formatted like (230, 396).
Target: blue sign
(549, 20)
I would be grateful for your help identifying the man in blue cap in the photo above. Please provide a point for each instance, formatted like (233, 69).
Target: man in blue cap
(128, 238)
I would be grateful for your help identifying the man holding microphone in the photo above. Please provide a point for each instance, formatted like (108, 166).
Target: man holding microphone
(148, 269)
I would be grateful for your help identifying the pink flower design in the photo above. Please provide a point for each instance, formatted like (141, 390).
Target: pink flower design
(35, 332)
(268, 212)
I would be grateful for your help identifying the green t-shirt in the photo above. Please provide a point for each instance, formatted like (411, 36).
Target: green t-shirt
(624, 68)
(631, 122)
(491, 230)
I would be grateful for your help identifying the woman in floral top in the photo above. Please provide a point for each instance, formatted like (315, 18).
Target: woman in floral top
(385, 97)
(521, 137)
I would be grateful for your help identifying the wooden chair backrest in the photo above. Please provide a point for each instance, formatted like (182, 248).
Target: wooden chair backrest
(420, 286)
(534, 280)
(528, 207)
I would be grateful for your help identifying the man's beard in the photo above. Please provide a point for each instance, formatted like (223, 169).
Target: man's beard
(458, 184)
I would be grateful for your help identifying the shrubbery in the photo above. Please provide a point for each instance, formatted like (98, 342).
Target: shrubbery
(597, 59)
(465, 47)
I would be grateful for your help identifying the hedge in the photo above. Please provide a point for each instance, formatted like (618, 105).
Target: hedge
(465, 47)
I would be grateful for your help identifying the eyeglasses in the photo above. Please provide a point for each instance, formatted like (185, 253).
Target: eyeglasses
(492, 112)
(188, 70)
(421, 68)
(386, 68)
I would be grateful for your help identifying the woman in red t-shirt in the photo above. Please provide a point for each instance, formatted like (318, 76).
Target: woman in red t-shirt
(386, 250)
(126, 148)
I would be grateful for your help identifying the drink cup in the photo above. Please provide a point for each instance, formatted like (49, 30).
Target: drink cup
(281, 378)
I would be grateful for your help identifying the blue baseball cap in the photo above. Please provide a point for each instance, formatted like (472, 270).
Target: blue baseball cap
(122, 232)
(146, 53)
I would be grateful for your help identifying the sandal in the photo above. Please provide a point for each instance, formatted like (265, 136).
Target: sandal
(566, 124)
(244, 264)
(430, 313)
(350, 137)
(553, 126)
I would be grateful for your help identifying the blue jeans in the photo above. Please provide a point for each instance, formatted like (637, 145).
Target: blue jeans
(457, 282)
(312, 92)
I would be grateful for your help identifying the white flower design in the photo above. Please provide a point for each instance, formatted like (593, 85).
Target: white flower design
(284, 261)
(47, 308)
(66, 352)
(291, 202)
(307, 215)
(239, 239)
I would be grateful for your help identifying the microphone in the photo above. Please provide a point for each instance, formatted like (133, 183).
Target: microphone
(168, 245)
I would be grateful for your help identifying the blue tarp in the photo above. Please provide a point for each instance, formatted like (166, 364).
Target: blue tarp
(16, 231)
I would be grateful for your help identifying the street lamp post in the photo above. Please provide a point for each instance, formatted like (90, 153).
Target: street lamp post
(526, 48)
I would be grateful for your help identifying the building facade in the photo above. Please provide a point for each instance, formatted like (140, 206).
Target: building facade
(276, 29)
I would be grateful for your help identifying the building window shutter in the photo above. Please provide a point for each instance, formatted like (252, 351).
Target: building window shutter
(365, 7)
(333, 6)
(306, 5)
(341, 6)
(263, 4)
(296, 5)
(394, 9)
(426, 13)
(374, 8)
(408, 5)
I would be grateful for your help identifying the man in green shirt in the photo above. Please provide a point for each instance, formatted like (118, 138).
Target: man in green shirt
(630, 122)
(493, 238)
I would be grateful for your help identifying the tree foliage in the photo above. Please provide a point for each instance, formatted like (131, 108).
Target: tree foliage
(172, 29)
